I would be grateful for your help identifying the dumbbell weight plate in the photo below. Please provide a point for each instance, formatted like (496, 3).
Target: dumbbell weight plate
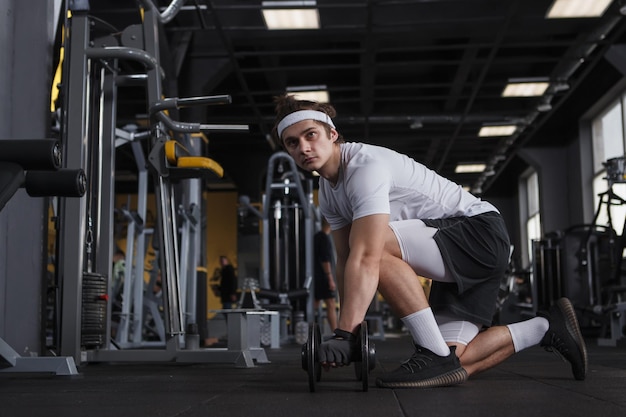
(318, 342)
(368, 355)
(365, 359)
(310, 355)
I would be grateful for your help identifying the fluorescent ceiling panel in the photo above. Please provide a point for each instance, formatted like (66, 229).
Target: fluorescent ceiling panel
(319, 96)
(577, 8)
(469, 168)
(285, 15)
(503, 130)
(525, 89)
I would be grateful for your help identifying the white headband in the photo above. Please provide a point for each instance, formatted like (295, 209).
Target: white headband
(300, 115)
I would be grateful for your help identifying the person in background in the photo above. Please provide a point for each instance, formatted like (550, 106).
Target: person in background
(228, 284)
(119, 266)
(325, 287)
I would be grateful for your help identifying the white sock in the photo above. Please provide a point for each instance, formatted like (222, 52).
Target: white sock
(425, 331)
(528, 333)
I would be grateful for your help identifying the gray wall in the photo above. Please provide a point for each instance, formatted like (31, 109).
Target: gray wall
(26, 28)
(552, 167)
(559, 185)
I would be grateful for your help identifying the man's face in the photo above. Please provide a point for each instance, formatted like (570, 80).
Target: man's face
(308, 143)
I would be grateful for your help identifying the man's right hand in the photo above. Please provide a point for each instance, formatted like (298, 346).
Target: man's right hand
(339, 350)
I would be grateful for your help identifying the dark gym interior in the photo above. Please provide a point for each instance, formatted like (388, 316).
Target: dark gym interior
(142, 128)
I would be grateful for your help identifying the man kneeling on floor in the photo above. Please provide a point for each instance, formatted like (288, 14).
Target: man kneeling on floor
(392, 220)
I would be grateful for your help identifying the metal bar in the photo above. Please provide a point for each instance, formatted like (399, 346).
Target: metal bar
(169, 258)
(127, 53)
(140, 241)
(308, 252)
(165, 198)
(191, 257)
(125, 314)
(265, 244)
(185, 249)
(105, 242)
(177, 103)
(73, 210)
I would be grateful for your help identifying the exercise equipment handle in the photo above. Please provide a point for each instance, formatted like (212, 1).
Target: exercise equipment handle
(279, 295)
(32, 154)
(61, 183)
(177, 103)
(204, 101)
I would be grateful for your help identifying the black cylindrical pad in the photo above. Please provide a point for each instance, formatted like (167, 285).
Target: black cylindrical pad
(32, 154)
(61, 183)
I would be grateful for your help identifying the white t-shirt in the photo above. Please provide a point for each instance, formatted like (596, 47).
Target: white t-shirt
(377, 180)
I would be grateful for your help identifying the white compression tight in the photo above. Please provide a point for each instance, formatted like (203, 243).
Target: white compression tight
(455, 330)
(421, 252)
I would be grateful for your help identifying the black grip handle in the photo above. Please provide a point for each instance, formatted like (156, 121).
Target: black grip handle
(61, 183)
(32, 154)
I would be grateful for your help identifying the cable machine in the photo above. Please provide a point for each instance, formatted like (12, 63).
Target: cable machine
(288, 216)
(92, 75)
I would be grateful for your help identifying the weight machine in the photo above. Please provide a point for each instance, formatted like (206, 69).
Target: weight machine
(92, 75)
(610, 294)
(584, 263)
(129, 331)
(288, 216)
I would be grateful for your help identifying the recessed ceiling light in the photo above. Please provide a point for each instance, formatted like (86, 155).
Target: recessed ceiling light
(318, 94)
(525, 89)
(469, 168)
(577, 8)
(284, 15)
(501, 130)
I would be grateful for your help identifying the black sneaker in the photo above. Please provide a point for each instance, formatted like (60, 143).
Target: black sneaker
(564, 337)
(425, 370)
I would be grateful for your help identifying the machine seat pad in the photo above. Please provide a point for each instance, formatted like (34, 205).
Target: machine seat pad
(200, 162)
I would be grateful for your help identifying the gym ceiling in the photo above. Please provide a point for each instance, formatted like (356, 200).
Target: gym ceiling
(418, 76)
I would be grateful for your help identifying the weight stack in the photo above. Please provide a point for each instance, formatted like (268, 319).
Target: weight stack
(94, 310)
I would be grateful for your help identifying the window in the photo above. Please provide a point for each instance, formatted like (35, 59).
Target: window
(608, 144)
(608, 135)
(529, 215)
(533, 222)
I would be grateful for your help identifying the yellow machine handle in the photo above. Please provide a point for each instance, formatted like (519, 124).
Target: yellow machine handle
(174, 150)
(200, 162)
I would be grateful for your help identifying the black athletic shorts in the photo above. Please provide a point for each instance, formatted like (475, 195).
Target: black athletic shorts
(476, 252)
(322, 289)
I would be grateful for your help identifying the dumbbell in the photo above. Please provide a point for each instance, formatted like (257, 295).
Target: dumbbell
(311, 363)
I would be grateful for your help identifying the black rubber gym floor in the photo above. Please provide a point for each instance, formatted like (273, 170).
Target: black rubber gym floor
(533, 383)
